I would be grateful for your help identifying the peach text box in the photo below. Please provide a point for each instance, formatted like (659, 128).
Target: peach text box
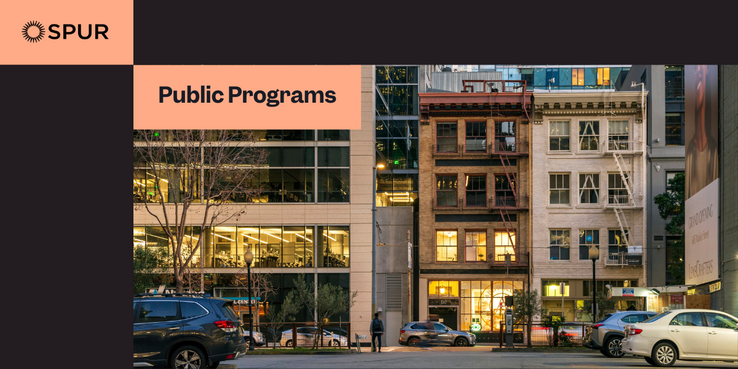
(150, 113)
(117, 16)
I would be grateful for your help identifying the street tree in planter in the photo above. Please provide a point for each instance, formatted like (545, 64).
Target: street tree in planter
(149, 268)
(671, 207)
(279, 316)
(193, 178)
(330, 300)
(527, 305)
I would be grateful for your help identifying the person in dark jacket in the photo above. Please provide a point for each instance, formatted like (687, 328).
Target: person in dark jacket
(377, 329)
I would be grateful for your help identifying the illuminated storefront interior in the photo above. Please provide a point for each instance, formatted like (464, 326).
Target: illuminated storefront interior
(480, 305)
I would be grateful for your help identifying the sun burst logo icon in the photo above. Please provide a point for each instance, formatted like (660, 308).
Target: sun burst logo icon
(33, 31)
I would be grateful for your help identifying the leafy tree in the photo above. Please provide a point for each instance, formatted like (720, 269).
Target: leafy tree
(527, 305)
(671, 207)
(330, 301)
(604, 307)
(279, 316)
(149, 266)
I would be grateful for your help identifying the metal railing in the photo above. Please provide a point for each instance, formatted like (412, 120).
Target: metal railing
(569, 334)
(618, 201)
(622, 146)
(616, 258)
(508, 202)
(273, 333)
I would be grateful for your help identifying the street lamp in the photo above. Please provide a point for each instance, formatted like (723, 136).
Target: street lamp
(248, 257)
(594, 253)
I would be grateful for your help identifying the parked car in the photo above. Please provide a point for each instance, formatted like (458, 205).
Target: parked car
(185, 331)
(607, 334)
(686, 334)
(413, 333)
(259, 339)
(305, 336)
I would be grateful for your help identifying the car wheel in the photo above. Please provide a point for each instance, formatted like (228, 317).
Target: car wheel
(288, 343)
(461, 342)
(614, 347)
(334, 343)
(188, 357)
(413, 342)
(664, 354)
(649, 360)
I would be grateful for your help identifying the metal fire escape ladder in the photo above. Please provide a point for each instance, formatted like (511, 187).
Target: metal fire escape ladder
(508, 224)
(622, 221)
(511, 179)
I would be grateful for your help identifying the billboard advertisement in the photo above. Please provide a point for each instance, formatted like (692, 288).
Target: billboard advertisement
(702, 173)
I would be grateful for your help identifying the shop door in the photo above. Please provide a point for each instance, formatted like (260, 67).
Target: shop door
(447, 316)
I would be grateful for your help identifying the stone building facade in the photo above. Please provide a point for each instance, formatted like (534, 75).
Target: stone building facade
(589, 187)
(474, 223)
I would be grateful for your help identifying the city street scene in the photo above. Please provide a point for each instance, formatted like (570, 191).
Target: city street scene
(511, 216)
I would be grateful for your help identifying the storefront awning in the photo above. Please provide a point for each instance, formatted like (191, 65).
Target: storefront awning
(630, 292)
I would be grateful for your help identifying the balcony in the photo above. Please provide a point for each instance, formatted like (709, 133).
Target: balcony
(509, 203)
(518, 259)
(513, 148)
(620, 202)
(623, 147)
(623, 259)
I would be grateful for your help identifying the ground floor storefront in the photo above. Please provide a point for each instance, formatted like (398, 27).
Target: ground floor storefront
(470, 305)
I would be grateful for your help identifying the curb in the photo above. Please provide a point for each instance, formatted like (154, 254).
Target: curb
(300, 352)
(541, 349)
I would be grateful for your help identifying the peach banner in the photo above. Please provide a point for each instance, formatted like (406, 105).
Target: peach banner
(66, 32)
(246, 97)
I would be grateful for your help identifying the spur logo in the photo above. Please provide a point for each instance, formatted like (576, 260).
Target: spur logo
(34, 31)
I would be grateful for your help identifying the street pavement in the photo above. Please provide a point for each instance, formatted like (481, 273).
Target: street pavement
(456, 357)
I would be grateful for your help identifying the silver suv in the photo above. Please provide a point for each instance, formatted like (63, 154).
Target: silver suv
(414, 333)
(607, 334)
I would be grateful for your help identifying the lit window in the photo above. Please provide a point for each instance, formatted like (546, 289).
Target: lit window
(504, 244)
(446, 246)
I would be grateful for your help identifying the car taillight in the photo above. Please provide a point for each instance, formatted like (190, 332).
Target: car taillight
(595, 326)
(402, 331)
(226, 325)
(633, 331)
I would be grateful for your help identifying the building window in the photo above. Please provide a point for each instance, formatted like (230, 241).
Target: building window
(332, 248)
(476, 246)
(446, 190)
(559, 189)
(446, 246)
(333, 185)
(476, 136)
(674, 129)
(616, 244)
(446, 137)
(674, 82)
(617, 190)
(505, 136)
(589, 188)
(577, 76)
(601, 285)
(589, 135)
(505, 244)
(587, 238)
(443, 290)
(559, 136)
(476, 190)
(618, 135)
(603, 76)
(553, 288)
(559, 244)
(334, 134)
(504, 191)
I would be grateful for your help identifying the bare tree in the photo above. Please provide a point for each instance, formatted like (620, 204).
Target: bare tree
(278, 317)
(193, 177)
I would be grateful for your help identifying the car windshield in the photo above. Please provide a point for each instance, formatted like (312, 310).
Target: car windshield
(657, 317)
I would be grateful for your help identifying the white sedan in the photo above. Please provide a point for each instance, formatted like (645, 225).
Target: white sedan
(688, 334)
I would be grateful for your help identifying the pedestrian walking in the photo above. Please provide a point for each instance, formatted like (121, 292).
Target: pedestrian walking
(377, 329)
